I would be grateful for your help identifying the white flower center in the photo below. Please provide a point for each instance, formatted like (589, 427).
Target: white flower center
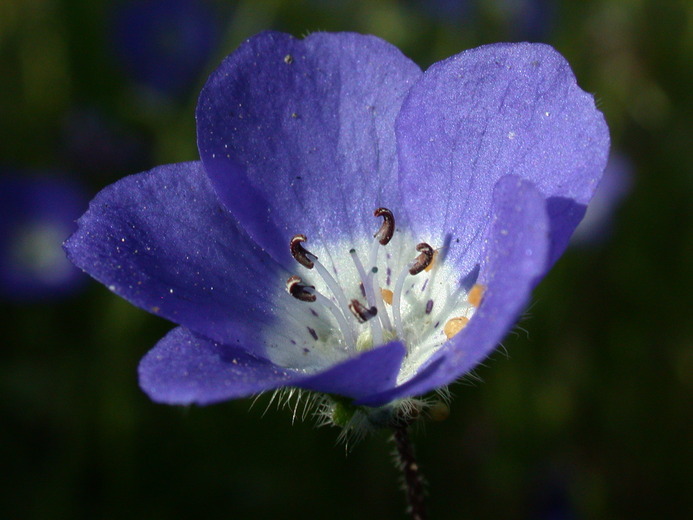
(351, 297)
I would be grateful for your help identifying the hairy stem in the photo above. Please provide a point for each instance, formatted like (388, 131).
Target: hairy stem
(406, 461)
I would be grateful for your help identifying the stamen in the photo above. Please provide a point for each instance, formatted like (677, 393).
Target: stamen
(387, 229)
(307, 293)
(382, 237)
(337, 321)
(423, 260)
(362, 313)
(299, 253)
(420, 263)
(298, 290)
(433, 261)
(309, 260)
(367, 284)
(380, 304)
(397, 296)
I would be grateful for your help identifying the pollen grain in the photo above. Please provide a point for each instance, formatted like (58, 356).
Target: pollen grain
(476, 294)
(433, 261)
(454, 326)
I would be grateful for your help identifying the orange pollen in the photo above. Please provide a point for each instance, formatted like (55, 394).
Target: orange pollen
(433, 261)
(453, 326)
(476, 294)
(387, 295)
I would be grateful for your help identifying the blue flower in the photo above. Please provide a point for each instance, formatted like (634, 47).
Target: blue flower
(615, 185)
(36, 214)
(532, 20)
(165, 44)
(472, 176)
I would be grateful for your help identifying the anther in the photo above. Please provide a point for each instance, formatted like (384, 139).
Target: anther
(423, 260)
(433, 261)
(387, 228)
(299, 253)
(295, 288)
(361, 312)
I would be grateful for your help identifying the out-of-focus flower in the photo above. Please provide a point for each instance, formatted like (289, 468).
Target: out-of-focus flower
(165, 44)
(616, 183)
(96, 145)
(531, 20)
(449, 11)
(264, 252)
(551, 498)
(36, 215)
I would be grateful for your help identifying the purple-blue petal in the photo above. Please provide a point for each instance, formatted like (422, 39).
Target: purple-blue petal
(162, 240)
(368, 373)
(514, 259)
(184, 368)
(298, 135)
(502, 109)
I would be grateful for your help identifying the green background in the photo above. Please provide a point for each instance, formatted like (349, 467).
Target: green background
(590, 409)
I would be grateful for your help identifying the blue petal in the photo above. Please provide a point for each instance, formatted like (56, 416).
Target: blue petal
(515, 258)
(186, 369)
(298, 135)
(371, 372)
(162, 240)
(503, 109)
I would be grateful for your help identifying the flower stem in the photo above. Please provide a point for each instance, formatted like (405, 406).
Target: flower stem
(413, 482)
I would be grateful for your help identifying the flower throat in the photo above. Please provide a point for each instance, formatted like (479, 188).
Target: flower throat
(376, 317)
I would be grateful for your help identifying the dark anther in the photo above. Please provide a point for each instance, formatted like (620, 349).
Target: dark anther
(362, 313)
(387, 229)
(423, 260)
(299, 253)
(299, 291)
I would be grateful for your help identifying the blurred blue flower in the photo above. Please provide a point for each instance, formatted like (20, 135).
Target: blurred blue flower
(36, 215)
(447, 11)
(615, 185)
(551, 498)
(96, 145)
(530, 20)
(480, 168)
(165, 44)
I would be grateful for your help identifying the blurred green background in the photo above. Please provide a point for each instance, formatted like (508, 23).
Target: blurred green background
(587, 416)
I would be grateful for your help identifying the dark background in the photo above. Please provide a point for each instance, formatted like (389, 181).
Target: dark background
(587, 416)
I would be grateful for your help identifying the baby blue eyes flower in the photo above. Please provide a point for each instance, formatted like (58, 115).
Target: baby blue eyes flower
(355, 226)
(615, 185)
(36, 213)
(165, 44)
